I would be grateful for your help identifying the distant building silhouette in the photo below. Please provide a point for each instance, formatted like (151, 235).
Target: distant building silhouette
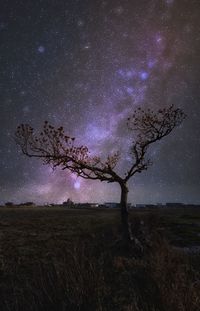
(114, 205)
(171, 204)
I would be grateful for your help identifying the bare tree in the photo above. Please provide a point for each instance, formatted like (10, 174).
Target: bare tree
(57, 149)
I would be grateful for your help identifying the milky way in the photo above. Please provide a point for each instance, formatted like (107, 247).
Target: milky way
(86, 65)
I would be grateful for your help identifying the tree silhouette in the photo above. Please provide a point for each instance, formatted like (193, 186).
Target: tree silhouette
(57, 149)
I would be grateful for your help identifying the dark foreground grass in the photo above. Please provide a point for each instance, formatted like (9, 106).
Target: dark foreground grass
(57, 259)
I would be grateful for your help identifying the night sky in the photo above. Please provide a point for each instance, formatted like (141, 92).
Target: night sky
(86, 65)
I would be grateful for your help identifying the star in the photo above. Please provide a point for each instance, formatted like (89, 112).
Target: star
(144, 75)
(77, 185)
(41, 49)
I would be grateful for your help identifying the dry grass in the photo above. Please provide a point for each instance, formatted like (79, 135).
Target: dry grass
(74, 263)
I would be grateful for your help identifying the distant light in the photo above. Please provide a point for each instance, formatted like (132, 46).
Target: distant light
(119, 10)
(151, 63)
(130, 90)
(129, 74)
(23, 92)
(77, 185)
(126, 74)
(26, 109)
(41, 49)
(94, 132)
(144, 75)
(87, 47)
(159, 39)
(120, 72)
(80, 23)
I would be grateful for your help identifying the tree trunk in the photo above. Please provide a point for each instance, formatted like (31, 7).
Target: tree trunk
(126, 226)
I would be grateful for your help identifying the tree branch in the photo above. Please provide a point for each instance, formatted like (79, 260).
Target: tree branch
(56, 148)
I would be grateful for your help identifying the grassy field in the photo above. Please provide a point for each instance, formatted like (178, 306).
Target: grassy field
(64, 259)
(181, 226)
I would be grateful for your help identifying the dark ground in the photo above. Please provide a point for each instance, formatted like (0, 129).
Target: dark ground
(49, 256)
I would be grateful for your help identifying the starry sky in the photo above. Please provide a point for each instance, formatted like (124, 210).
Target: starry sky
(86, 65)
